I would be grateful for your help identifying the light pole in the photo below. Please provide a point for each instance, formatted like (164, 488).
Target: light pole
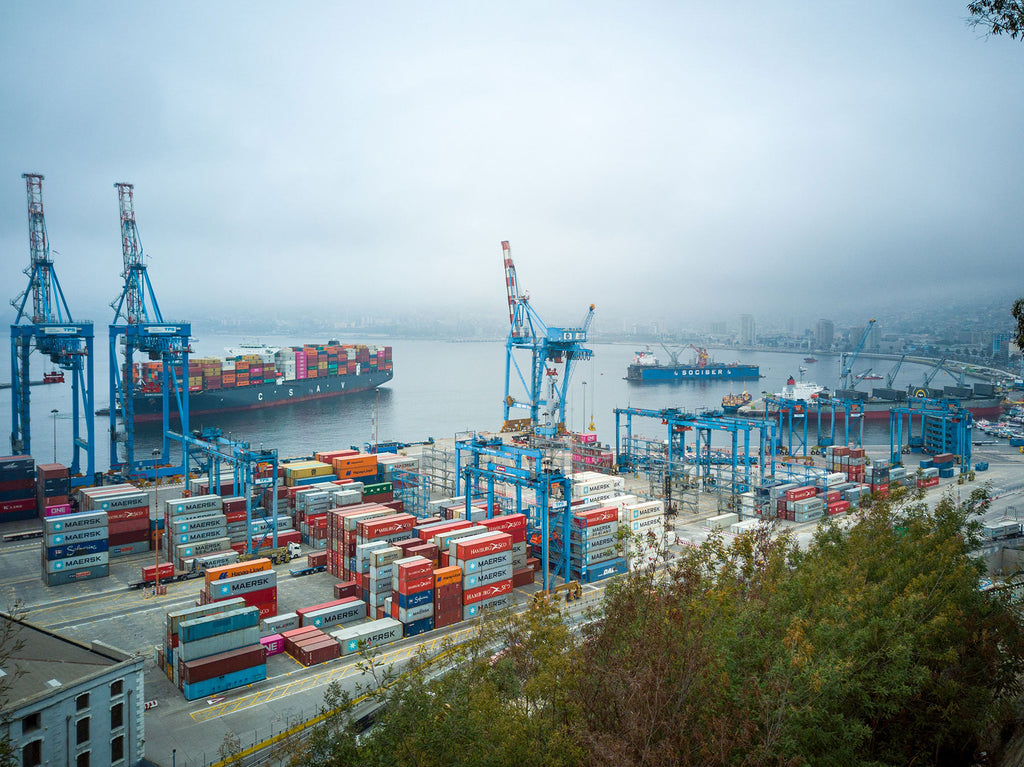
(156, 512)
(54, 414)
(584, 407)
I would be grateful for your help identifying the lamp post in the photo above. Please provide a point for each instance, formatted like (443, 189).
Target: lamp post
(156, 512)
(54, 414)
(584, 406)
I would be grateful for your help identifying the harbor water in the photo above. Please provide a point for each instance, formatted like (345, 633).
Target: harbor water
(439, 389)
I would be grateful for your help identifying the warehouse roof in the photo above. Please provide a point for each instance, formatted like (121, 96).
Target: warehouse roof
(37, 663)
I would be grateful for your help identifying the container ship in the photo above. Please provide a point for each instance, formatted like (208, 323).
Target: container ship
(646, 368)
(982, 400)
(258, 376)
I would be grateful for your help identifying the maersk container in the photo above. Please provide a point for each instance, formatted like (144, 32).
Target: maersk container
(243, 584)
(494, 603)
(593, 533)
(372, 634)
(210, 625)
(177, 506)
(278, 624)
(77, 562)
(63, 577)
(195, 516)
(69, 522)
(487, 562)
(219, 643)
(593, 544)
(127, 500)
(77, 536)
(76, 549)
(202, 547)
(420, 626)
(177, 617)
(214, 521)
(197, 536)
(413, 614)
(338, 615)
(228, 682)
(492, 575)
(415, 600)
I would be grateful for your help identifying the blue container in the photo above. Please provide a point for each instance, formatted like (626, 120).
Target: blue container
(75, 549)
(946, 472)
(313, 480)
(219, 623)
(421, 626)
(981, 466)
(926, 464)
(605, 570)
(210, 687)
(415, 600)
(156, 524)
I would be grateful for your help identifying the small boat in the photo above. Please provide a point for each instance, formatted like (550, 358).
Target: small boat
(733, 402)
(810, 359)
(54, 376)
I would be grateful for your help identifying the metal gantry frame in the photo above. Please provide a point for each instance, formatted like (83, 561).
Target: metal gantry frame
(707, 462)
(143, 329)
(251, 470)
(55, 334)
(794, 416)
(549, 515)
(943, 427)
(553, 354)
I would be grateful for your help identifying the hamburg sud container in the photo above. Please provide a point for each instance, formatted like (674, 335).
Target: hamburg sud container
(594, 543)
(365, 635)
(515, 525)
(476, 556)
(17, 488)
(75, 548)
(412, 584)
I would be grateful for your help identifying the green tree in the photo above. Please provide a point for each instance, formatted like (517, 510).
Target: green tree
(998, 17)
(1018, 314)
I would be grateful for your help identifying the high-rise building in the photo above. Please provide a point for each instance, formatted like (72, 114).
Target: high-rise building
(824, 335)
(748, 332)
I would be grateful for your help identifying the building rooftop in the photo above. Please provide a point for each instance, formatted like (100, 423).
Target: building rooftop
(37, 663)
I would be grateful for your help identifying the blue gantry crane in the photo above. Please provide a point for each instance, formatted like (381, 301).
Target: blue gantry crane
(142, 328)
(553, 354)
(53, 332)
(846, 360)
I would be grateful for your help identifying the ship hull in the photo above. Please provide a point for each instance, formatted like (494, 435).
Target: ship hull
(879, 411)
(680, 373)
(149, 407)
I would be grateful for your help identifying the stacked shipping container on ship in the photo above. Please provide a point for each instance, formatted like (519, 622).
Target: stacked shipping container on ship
(75, 548)
(128, 516)
(17, 488)
(267, 376)
(219, 652)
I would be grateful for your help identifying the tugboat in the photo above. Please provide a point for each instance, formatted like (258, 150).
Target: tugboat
(810, 359)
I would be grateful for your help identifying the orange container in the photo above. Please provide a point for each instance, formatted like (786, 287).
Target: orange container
(239, 568)
(446, 576)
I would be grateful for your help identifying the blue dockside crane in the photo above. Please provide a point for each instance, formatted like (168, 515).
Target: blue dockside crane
(54, 334)
(549, 513)
(143, 328)
(553, 354)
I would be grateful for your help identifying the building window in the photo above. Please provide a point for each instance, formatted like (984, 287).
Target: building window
(31, 723)
(82, 760)
(82, 702)
(82, 730)
(116, 688)
(32, 754)
(117, 749)
(116, 716)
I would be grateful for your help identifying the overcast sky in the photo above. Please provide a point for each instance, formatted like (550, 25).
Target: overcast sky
(661, 159)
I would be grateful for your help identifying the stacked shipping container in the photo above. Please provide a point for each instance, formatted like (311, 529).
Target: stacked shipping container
(17, 488)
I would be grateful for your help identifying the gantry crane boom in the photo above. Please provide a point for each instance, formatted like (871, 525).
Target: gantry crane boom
(54, 334)
(139, 321)
(890, 377)
(553, 351)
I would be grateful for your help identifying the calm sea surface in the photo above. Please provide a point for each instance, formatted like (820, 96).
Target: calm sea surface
(439, 388)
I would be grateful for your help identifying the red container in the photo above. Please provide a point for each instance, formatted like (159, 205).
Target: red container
(594, 517)
(128, 526)
(124, 515)
(259, 597)
(319, 653)
(234, 516)
(24, 504)
(316, 558)
(266, 609)
(377, 527)
(447, 591)
(132, 536)
(486, 592)
(17, 484)
(448, 604)
(210, 667)
(415, 571)
(524, 577)
(800, 493)
(838, 507)
(505, 524)
(426, 583)
(534, 563)
(426, 550)
(450, 527)
(405, 544)
(149, 571)
(485, 544)
(346, 589)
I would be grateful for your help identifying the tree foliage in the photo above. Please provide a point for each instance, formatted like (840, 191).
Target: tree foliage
(871, 645)
(1018, 314)
(998, 17)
